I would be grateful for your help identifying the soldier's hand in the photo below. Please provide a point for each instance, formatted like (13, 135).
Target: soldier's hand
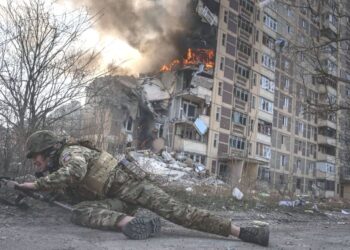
(11, 184)
(27, 185)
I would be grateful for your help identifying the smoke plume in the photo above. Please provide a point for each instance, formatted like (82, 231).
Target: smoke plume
(154, 27)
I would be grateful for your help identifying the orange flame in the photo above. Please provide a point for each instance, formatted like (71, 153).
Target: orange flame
(193, 57)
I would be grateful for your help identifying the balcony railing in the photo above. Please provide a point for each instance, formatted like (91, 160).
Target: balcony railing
(326, 140)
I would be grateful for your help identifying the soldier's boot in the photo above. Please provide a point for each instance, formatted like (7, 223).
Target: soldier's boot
(257, 235)
(141, 228)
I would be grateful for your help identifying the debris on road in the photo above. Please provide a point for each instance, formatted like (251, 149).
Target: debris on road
(236, 193)
(343, 211)
(167, 170)
(295, 203)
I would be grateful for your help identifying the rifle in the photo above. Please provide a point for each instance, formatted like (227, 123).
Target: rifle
(22, 193)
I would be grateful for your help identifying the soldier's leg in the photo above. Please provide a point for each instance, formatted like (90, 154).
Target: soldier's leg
(147, 195)
(102, 214)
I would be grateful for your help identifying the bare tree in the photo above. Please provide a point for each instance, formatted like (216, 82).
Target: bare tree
(42, 63)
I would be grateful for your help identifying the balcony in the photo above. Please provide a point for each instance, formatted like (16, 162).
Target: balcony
(265, 116)
(187, 145)
(325, 170)
(321, 139)
(324, 175)
(245, 35)
(266, 139)
(238, 154)
(197, 94)
(267, 94)
(327, 89)
(244, 58)
(326, 123)
(325, 157)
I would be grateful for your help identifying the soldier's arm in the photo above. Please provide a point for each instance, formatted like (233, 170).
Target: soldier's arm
(73, 168)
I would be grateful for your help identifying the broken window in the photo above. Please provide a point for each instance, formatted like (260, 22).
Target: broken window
(237, 142)
(284, 121)
(330, 185)
(266, 105)
(223, 170)
(239, 118)
(242, 70)
(270, 22)
(263, 150)
(241, 94)
(247, 4)
(244, 47)
(245, 25)
(264, 127)
(189, 110)
(268, 41)
(284, 160)
(267, 84)
(128, 124)
(268, 61)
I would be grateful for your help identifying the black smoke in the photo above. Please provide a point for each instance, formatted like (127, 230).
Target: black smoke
(160, 29)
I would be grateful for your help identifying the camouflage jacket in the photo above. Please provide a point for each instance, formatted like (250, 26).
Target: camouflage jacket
(75, 164)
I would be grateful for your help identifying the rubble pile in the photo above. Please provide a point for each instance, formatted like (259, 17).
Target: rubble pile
(168, 171)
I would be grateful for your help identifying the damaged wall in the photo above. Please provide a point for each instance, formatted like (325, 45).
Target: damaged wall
(111, 102)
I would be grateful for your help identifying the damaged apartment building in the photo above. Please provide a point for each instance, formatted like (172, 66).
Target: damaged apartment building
(233, 101)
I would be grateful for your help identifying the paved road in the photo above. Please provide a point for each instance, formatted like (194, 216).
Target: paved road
(48, 228)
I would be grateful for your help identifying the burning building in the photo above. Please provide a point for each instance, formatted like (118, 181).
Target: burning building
(227, 99)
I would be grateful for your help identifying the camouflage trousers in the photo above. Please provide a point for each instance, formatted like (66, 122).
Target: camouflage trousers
(127, 193)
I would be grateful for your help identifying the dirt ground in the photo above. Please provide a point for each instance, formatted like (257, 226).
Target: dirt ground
(44, 227)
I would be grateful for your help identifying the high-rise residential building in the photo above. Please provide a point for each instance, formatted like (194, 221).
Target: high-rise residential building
(254, 114)
(260, 124)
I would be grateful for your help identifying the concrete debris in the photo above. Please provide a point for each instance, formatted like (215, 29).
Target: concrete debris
(166, 170)
(201, 68)
(167, 157)
(199, 168)
(189, 189)
(295, 203)
(180, 156)
(343, 211)
(315, 208)
(236, 193)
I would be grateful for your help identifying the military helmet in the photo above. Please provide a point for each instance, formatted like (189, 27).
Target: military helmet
(39, 141)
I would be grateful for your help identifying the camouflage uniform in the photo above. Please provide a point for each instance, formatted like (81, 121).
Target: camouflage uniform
(122, 192)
